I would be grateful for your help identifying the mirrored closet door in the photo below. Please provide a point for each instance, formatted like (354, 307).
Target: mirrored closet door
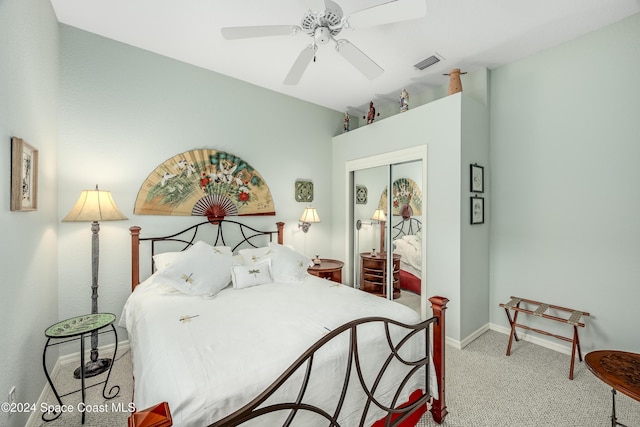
(387, 230)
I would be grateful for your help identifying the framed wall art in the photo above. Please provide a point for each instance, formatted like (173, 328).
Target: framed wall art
(24, 176)
(304, 191)
(477, 210)
(361, 195)
(477, 178)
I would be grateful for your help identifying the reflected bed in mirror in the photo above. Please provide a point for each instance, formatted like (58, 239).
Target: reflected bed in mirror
(407, 242)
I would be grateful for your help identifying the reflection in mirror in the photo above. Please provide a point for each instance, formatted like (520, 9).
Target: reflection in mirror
(405, 222)
(368, 184)
(384, 220)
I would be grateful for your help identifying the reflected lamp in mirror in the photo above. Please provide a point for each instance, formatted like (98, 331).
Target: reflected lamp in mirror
(309, 216)
(379, 216)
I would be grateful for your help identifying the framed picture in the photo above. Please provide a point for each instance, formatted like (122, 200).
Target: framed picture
(477, 178)
(361, 195)
(24, 176)
(477, 210)
(304, 191)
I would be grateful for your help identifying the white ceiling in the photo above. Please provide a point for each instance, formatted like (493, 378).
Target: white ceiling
(468, 34)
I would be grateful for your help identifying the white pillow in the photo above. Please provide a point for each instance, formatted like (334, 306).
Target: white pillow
(287, 265)
(254, 255)
(164, 260)
(244, 276)
(198, 271)
(222, 250)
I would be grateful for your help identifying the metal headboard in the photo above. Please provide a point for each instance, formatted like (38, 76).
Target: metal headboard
(407, 226)
(249, 236)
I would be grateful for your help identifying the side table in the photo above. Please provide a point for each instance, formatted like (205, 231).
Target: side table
(73, 329)
(373, 274)
(328, 269)
(620, 370)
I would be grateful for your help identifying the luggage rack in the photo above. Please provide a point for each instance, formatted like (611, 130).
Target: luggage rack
(540, 311)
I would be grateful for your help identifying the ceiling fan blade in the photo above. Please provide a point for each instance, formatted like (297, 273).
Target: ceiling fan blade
(232, 33)
(298, 68)
(330, 5)
(393, 11)
(358, 59)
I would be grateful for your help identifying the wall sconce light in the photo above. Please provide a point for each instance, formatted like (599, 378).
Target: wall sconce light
(379, 215)
(309, 216)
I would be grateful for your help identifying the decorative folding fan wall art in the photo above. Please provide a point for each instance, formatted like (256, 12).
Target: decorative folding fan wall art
(207, 183)
(407, 198)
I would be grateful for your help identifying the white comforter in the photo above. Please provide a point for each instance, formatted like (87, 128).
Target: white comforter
(234, 345)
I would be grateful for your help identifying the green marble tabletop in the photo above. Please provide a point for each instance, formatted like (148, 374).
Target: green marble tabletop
(79, 325)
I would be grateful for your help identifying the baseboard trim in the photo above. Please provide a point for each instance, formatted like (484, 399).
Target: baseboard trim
(465, 342)
(453, 343)
(35, 417)
(107, 348)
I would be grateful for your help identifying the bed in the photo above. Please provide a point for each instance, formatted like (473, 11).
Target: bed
(287, 349)
(407, 242)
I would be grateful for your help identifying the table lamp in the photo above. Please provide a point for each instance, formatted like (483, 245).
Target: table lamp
(94, 206)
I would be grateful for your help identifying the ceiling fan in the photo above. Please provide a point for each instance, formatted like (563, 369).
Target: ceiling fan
(323, 26)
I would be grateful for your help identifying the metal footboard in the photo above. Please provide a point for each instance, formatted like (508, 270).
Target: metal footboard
(395, 411)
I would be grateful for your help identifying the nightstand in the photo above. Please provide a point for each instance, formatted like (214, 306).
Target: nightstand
(74, 329)
(330, 269)
(373, 273)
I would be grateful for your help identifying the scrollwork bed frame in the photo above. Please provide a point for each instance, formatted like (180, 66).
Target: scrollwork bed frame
(406, 227)
(397, 413)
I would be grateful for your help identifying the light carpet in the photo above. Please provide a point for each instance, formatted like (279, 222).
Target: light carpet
(484, 388)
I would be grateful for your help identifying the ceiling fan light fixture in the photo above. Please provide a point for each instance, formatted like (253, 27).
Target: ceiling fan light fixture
(325, 25)
(322, 35)
(428, 62)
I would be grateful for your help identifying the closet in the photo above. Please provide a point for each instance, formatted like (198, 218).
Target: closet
(447, 136)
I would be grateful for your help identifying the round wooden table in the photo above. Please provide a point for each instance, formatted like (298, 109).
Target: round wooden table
(330, 269)
(620, 370)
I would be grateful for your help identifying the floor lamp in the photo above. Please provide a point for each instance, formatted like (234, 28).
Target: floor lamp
(94, 206)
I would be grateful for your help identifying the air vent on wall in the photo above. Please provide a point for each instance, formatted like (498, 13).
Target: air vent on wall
(425, 63)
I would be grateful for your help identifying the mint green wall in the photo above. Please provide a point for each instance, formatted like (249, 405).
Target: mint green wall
(28, 255)
(565, 147)
(474, 239)
(124, 111)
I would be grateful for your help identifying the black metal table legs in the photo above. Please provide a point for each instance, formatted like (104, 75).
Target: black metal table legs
(53, 411)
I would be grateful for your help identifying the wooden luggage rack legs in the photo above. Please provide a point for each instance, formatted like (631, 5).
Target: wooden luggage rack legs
(573, 319)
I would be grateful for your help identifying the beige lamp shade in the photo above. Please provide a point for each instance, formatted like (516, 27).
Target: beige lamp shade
(310, 215)
(94, 205)
(379, 215)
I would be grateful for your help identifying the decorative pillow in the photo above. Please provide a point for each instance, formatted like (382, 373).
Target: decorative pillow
(244, 276)
(164, 260)
(198, 271)
(288, 265)
(254, 255)
(222, 250)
